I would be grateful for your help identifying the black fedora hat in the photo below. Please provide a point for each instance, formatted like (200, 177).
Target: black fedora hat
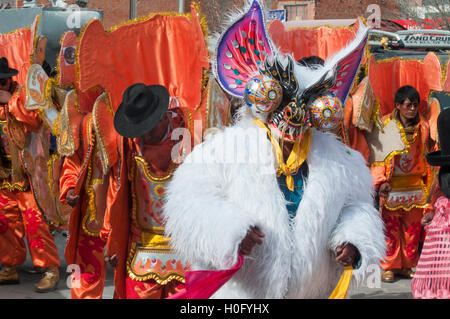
(142, 108)
(442, 157)
(5, 70)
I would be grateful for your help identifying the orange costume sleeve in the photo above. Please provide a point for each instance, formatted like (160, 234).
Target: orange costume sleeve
(379, 174)
(71, 168)
(117, 220)
(30, 119)
(113, 186)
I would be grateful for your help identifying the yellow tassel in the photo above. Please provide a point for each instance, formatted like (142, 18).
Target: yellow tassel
(298, 155)
(290, 182)
(340, 292)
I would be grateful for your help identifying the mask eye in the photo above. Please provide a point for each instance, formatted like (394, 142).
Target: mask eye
(326, 112)
(263, 93)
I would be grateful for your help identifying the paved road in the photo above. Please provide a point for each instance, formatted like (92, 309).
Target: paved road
(398, 290)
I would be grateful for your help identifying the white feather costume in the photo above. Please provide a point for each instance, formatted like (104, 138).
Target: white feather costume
(229, 184)
(211, 205)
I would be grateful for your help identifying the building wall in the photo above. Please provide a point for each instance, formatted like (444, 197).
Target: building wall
(341, 9)
(118, 11)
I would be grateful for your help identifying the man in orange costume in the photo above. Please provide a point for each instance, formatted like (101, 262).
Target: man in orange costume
(146, 266)
(403, 182)
(19, 214)
(84, 185)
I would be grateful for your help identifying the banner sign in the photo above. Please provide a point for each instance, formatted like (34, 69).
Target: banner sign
(277, 15)
(426, 40)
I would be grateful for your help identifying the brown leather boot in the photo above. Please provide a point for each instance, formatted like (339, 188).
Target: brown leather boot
(49, 281)
(9, 276)
(406, 273)
(36, 270)
(387, 276)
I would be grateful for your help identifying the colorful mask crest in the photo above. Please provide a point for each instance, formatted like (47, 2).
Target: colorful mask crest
(287, 96)
(241, 50)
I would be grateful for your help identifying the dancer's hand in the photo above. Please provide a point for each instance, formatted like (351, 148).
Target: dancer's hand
(113, 260)
(427, 218)
(71, 198)
(384, 189)
(254, 236)
(346, 254)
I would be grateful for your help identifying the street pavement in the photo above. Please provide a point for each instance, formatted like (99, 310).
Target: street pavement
(374, 289)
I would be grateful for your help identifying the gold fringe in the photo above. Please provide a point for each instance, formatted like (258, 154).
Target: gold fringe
(205, 30)
(407, 209)
(35, 37)
(77, 52)
(153, 177)
(394, 153)
(376, 115)
(85, 228)
(91, 211)
(49, 87)
(445, 68)
(96, 122)
(145, 18)
(89, 183)
(159, 279)
(398, 58)
(13, 187)
(134, 202)
(347, 27)
(18, 29)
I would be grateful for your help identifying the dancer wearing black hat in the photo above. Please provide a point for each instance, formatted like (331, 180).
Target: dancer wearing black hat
(19, 214)
(146, 266)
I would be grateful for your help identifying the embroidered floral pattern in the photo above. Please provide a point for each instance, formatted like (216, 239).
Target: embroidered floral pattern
(33, 223)
(392, 227)
(391, 244)
(92, 262)
(413, 236)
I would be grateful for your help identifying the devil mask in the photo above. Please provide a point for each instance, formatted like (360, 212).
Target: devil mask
(285, 95)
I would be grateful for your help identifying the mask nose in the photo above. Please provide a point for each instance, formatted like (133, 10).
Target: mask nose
(294, 114)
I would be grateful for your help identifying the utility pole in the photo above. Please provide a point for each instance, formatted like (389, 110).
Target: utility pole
(133, 9)
(180, 6)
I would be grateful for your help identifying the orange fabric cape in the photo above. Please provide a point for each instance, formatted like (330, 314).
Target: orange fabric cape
(387, 76)
(321, 41)
(17, 47)
(169, 50)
